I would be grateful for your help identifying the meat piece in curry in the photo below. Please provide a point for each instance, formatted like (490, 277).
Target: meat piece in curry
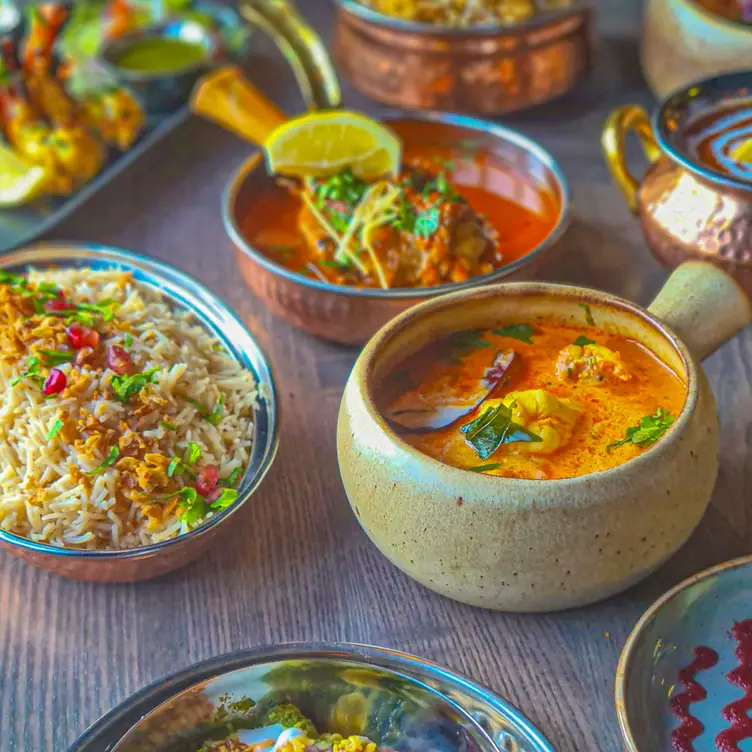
(414, 232)
(577, 401)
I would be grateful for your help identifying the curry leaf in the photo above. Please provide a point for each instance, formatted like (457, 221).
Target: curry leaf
(647, 431)
(522, 332)
(493, 428)
(484, 468)
(111, 459)
(582, 340)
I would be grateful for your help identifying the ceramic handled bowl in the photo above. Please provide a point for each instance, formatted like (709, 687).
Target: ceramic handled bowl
(688, 211)
(538, 545)
(683, 42)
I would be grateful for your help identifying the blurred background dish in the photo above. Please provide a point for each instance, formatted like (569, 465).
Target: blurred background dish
(522, 54)
(688, 635)
(388, 696)
(686, 40)
(695, 200)
(186, 294)
(508, 178)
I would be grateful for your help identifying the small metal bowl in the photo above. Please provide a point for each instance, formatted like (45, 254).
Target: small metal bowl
(163, 92)
(486, 69)
(146, 562)
(408, 703)
(351, 315)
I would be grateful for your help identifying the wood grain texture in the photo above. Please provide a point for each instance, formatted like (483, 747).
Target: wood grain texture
(298, 567)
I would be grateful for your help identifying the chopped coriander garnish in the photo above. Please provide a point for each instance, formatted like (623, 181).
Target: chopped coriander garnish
(232, 478)
(6, 278)
(217, 347)
(56, 357)
(582, 340)
(588, 313)
(112, 456)
(127, 340)
(195, 507)
(647, 431)
(31, 372)
(174, 466)
(427, 222)
(167, 426)
(334, 265)
(56, 426)
(225, 499)
(522, 332)
(193, 453)
(218, 412)
(126, 386)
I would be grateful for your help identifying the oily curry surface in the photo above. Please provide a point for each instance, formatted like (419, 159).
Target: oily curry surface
(539, 401)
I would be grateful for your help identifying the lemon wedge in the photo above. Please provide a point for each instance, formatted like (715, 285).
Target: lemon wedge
(743, 152)
(324, 143)
(20, 182)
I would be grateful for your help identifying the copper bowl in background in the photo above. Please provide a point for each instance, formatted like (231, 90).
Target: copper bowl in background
(146, 562)
(688, 211)
(351, 315)
(484, 69)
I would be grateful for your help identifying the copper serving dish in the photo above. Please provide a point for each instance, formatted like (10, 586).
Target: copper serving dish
(146, 562)
(485, 69)
(344, 314)
(687, 210)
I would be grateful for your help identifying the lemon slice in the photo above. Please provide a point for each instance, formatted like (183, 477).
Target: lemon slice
(20, 182)
(743, 152)
(325, 143)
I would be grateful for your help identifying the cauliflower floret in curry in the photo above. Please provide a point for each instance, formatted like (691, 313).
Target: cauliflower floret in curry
(591, 364)
(547, 416)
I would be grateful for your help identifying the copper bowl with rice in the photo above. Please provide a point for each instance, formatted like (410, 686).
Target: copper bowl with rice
(138, 413)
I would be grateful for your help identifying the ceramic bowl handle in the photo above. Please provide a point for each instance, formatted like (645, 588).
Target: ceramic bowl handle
(703, 305)
(617, 127)
(302, 48)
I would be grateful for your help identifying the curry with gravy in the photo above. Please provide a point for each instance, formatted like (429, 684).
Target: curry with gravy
(540, 401)
(454, 212)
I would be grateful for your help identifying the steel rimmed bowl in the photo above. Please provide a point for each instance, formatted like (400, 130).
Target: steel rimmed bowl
(427, 698)
(145, 562)
(698, 611)
(351, 315)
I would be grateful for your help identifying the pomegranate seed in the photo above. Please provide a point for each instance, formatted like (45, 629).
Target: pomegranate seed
(118, 360)
(54, 383)
(207, 480)
(82, 336)
(60, 303)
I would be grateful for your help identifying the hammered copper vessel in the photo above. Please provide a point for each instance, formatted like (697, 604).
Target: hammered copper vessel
(487, 69)
(687, 210)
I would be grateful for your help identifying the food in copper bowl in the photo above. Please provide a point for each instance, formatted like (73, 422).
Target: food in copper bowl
(128, 423)
(539, 399)
(354, 220)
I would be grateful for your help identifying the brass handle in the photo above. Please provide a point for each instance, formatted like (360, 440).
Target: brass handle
(228, 98)
(617, 127)
(302, 48)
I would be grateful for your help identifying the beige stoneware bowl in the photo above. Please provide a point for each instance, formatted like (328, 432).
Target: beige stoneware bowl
(540, 545)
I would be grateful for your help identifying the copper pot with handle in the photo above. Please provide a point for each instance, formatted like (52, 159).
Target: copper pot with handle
(687, 208)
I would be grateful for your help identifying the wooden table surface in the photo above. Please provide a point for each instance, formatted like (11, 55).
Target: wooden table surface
(299, 567)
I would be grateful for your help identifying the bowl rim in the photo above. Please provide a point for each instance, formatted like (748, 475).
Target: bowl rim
(369, 15)
(417, 668)
(716, 19)
(725, 82)
(157, 31)
(474, 125)
(632, 643)
(162, 272)
(362, 372)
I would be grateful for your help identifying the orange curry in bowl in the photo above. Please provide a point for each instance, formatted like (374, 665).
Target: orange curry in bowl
(457, 210)
(539, 400)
